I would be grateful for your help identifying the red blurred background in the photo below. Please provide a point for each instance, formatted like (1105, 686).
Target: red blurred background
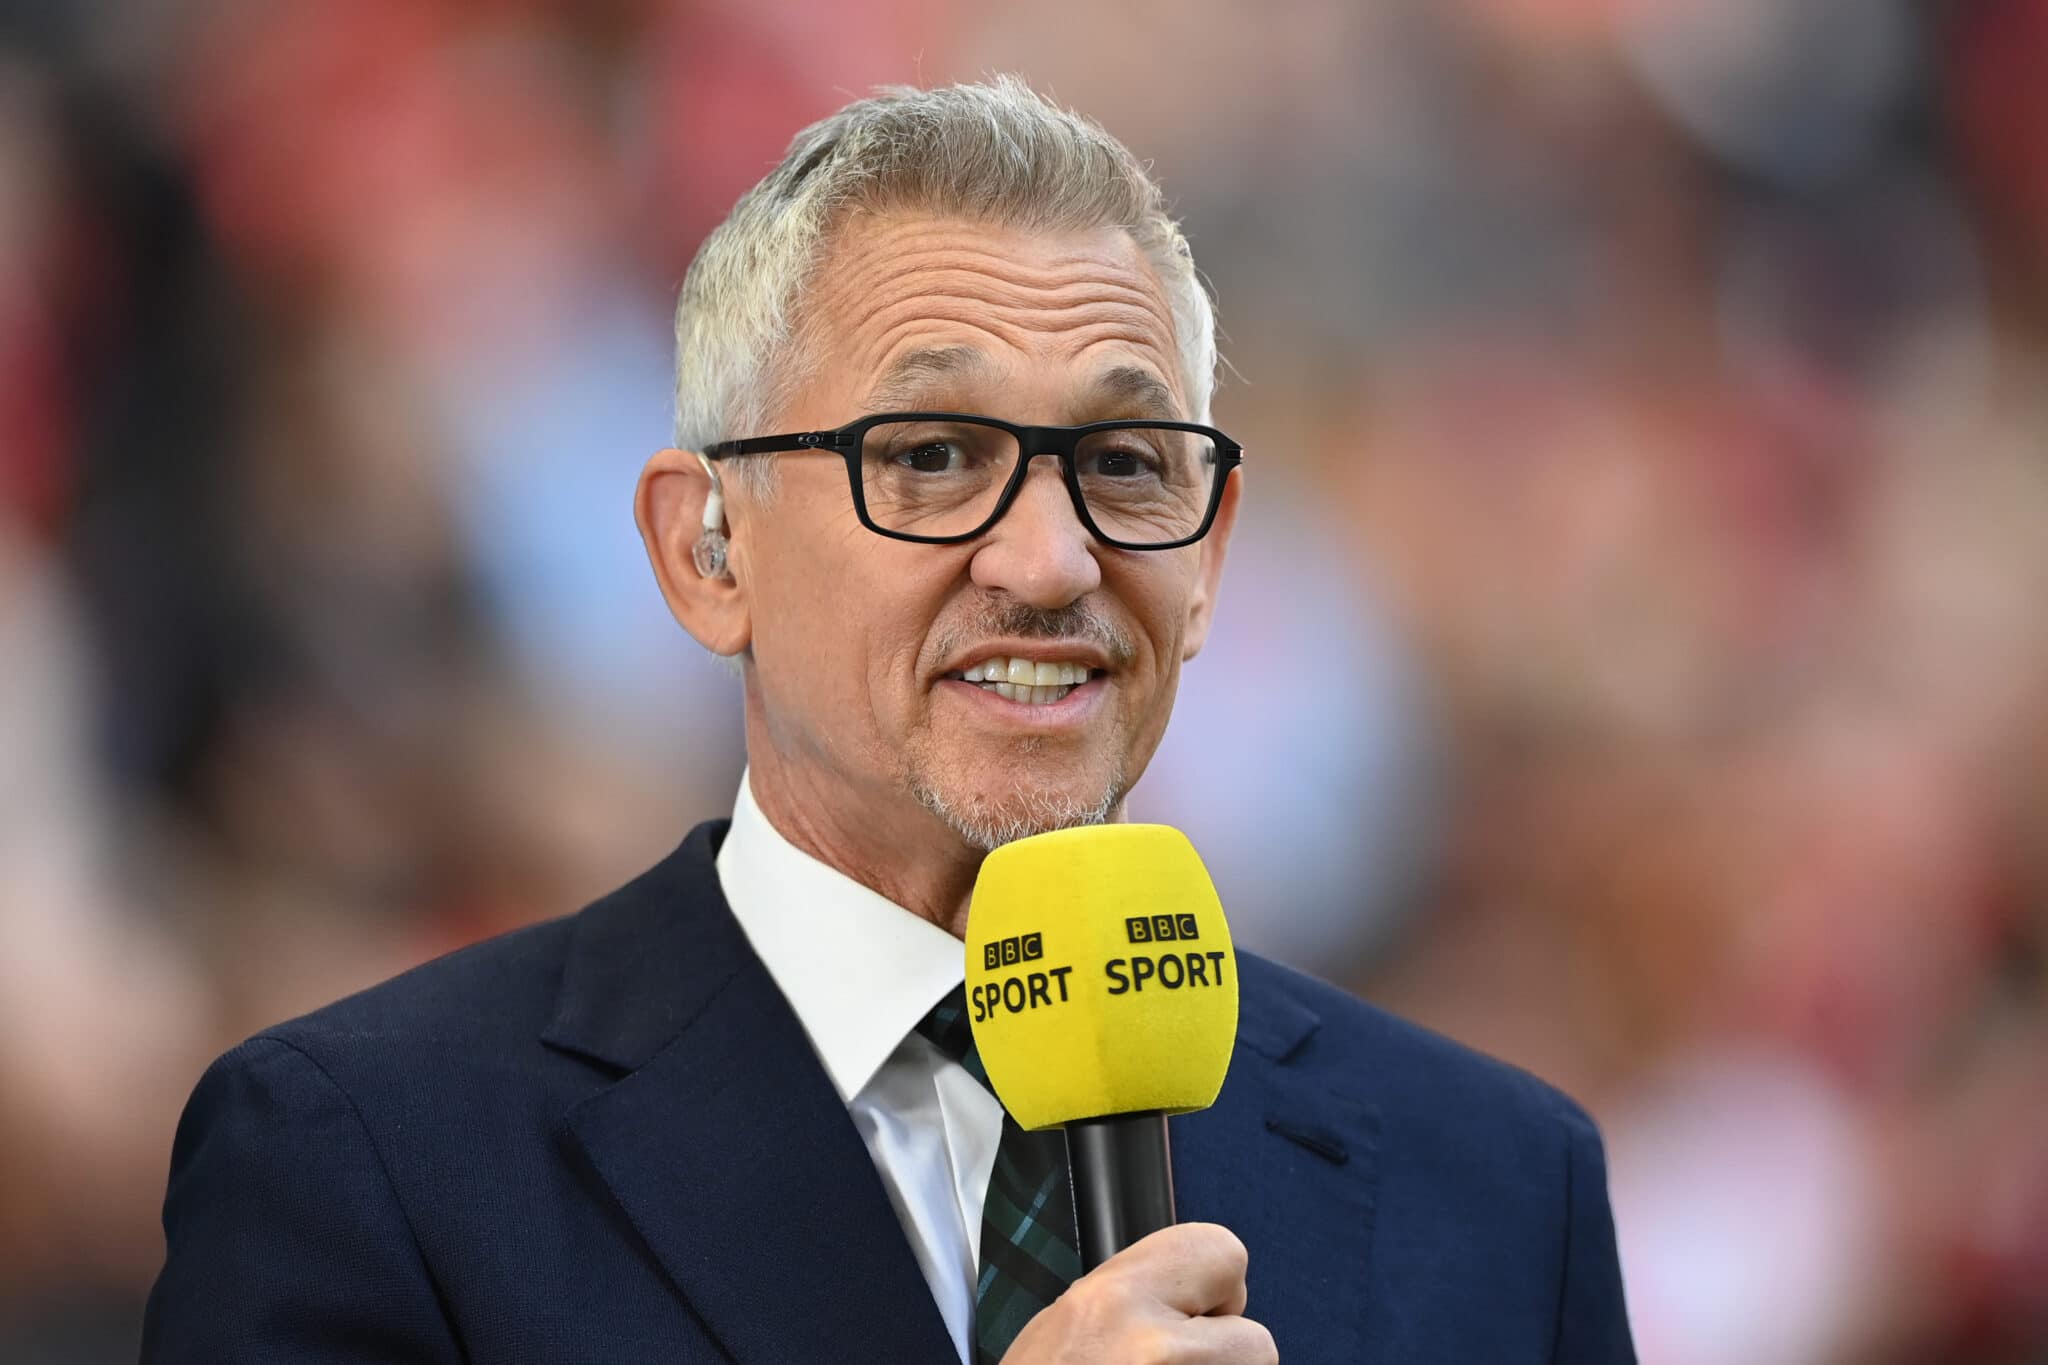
(1635, 659)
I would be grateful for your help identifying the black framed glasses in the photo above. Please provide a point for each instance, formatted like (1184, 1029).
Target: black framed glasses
(940, 478)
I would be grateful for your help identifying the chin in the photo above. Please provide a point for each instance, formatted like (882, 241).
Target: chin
(1015, 802)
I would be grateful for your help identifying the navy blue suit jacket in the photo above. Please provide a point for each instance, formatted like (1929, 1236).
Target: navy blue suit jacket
(606, 1139)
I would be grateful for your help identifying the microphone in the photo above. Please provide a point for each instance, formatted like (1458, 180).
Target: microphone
(1102, 991)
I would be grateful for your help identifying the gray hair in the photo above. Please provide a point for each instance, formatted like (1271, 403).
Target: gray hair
(997, 152)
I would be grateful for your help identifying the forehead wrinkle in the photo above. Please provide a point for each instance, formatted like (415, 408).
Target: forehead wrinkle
(968, 294)
(911, 381)
(1002, 277)
(1125, 315)
(1072, 344)
(890, 325)
(886, 248)
(896, 285)
(990, 278)
(940, 322)
(978, 263)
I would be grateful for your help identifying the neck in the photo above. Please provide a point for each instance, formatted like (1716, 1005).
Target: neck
(883, 840)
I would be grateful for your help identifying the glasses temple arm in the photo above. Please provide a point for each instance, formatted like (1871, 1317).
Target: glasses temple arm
(769, 445)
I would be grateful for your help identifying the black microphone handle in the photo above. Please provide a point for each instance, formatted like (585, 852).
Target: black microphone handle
(1123, 1182)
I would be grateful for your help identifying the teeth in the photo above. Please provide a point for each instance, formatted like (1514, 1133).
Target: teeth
(1027, 673)
(1027, 680)
(1028, 694)
(1031, 696)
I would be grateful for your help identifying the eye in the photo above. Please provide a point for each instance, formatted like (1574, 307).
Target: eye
(931, 457)
(1129, 458)
(1118, 464)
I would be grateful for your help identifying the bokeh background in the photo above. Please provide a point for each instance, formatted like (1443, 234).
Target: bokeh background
(1634, 660)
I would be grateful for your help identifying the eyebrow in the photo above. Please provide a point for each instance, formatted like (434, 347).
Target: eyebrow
(1139, 390)
(905, 385)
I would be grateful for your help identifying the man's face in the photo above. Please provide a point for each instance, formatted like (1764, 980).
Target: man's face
(862, 645)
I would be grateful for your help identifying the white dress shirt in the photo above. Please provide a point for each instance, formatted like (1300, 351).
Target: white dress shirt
(860, 972)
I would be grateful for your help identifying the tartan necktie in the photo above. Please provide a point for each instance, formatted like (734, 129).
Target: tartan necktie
(1028, 1255)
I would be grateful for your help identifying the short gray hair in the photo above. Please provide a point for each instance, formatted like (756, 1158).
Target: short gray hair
(996, 152)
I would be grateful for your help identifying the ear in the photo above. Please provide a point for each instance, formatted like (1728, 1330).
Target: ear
(1209, 575)
(668, 505)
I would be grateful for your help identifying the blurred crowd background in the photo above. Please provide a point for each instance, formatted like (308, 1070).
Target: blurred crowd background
(1634, 660)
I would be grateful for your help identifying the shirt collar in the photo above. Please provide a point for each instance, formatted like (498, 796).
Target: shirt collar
(859, 970)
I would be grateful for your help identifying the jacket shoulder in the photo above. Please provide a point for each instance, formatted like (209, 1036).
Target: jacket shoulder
(503, 992)
(498, 989)
(1357, 1048)
(1483, 1196)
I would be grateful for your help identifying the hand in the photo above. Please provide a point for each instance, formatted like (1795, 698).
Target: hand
(1174, 1298)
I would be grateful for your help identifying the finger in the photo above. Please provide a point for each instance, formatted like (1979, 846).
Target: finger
(1223, 1341)
(1195, 1268)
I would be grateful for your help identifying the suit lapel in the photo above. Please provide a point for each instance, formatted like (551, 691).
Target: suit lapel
(1293, 1169)
(724, 1141)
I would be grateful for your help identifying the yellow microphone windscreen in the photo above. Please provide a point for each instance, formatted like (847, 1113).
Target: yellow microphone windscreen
(1100, 976)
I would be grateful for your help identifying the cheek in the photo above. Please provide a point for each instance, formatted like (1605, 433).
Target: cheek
(807, 626)
(1157, 595)
(841, 628)
(802, 664)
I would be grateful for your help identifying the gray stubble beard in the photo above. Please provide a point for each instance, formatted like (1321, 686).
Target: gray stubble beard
(1041, 812)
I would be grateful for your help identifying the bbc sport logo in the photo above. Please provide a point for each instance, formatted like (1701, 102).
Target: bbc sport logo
(1008, 952)
(1162, 928)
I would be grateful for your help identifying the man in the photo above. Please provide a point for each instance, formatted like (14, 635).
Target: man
(727, 1112)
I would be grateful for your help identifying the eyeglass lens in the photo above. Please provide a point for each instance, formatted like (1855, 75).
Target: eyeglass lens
(1141, 485)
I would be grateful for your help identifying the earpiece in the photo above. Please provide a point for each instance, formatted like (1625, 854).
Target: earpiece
(708, 554)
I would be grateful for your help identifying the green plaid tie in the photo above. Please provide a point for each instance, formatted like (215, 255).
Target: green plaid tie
(1027, 1222)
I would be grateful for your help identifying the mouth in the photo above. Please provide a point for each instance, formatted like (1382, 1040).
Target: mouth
(1031, 682)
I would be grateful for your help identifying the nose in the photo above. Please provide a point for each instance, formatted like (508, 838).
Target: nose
(1039, 552)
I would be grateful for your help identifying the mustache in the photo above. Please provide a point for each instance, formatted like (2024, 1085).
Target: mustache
(1075, 621)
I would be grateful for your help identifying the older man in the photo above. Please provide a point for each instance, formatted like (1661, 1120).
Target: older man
(947, 495)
